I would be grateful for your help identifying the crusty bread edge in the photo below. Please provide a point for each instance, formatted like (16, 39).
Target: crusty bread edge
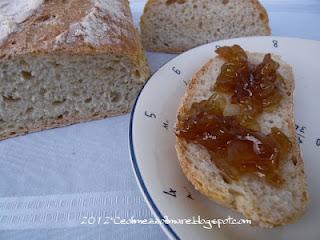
(263, 15)
(56, 123)
(181, 149)
(181, 144)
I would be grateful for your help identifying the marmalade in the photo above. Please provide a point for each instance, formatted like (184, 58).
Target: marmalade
(234, 142)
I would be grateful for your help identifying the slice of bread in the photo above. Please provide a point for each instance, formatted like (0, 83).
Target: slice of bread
(175, 26)
(264, 204)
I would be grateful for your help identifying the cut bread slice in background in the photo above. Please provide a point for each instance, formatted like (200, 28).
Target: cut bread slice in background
(264, 204)
(177, 25)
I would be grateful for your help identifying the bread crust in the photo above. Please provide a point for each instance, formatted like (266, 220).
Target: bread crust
(153, 4)
(215, 192)
(56, 123)
(50, 31)
(263, 15)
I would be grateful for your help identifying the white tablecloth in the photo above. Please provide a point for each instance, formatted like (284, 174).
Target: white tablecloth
(52, 180)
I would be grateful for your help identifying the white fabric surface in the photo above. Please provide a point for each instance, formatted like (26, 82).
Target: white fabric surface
(50, 180)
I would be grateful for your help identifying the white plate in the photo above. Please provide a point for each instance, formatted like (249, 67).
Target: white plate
(154, 158)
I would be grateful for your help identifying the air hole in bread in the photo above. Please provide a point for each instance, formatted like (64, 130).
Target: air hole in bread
(43, 91)
(29, 110)
(26, 75)
(200, 25)
(195, 6)
(60, 117)
(154, 41)
(305, 195)
(12, 133)
(109, 68)
(137, 74)
(115, 62)
(234, 192)
(24, 63)
(43, 18)
(225, 179)
(225, 2)
(271, 121)
(58, 102)
(10, 99)
(115, 97)
(76, 94)
(294, 160)
(88, 100)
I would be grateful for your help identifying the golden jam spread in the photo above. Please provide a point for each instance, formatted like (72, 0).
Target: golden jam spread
(234, 142)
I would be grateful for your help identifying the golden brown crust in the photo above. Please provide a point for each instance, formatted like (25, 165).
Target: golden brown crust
(220, 196)
(61, 122)
(39, 33)
(181, 144)
(263, 15)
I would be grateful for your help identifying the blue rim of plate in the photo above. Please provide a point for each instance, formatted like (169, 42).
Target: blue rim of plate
(139, 177)
(134, 161)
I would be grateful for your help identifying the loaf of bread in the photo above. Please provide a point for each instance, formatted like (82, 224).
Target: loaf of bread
(175, 26)
(66, 61)
(263, 203)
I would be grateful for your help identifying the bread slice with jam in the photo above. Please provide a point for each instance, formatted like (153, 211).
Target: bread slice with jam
(266, 202)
